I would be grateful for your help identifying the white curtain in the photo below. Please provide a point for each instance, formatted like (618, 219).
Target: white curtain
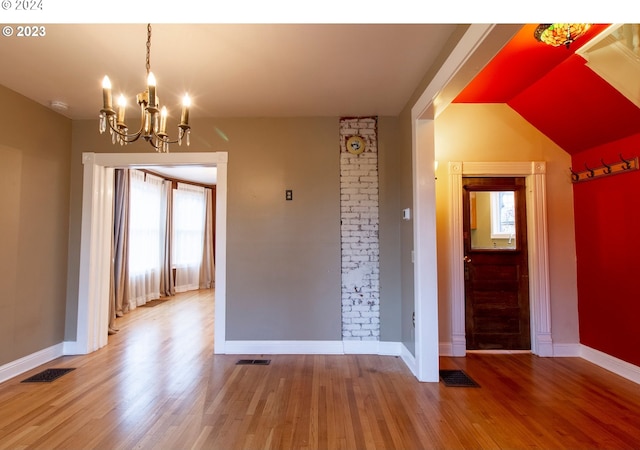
(166, 274)
(145, 237)
(207, 269)
(188, 235)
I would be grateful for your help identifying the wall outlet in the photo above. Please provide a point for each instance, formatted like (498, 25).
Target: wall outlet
(288, 194)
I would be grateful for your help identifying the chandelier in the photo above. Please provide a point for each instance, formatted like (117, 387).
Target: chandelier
(153, 118)
(557, 34)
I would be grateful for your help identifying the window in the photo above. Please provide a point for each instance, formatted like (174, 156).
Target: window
(188, 235)
(503, 215)
(145, 237)
(144, 223)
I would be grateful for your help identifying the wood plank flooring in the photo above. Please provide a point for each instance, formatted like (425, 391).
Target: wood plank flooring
(158, 385)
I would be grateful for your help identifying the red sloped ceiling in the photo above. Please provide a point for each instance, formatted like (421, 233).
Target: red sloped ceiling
(555, 91)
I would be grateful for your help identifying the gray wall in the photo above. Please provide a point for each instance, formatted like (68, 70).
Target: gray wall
(283, 257)
(390, 214)
(35, 147)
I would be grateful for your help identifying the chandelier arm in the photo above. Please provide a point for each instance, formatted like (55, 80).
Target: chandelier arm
(127, 137)
(166, 139)
(151, 143)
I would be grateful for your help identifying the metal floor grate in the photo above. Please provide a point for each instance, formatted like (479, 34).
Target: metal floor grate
(457, 378)
(254, 362)
(47, 376)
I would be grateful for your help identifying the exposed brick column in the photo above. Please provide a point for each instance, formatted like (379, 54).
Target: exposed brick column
(359, 231)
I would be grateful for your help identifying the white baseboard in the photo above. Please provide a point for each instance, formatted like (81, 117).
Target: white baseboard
(611, 363)
(284, 347)
(74, 348)
(559, 350)
(445, 349)
(409, 359)
(566, 350)
(19, 366)
(372, 348)
(390, 348)
(360, 347)
(313, 347)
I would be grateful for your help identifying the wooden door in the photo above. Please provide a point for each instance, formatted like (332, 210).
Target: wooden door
(496, 264)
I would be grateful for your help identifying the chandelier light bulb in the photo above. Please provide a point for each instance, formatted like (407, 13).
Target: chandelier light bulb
(122, 106)
(163, 121)
(106, 93)
(186, 103)
(151, 86)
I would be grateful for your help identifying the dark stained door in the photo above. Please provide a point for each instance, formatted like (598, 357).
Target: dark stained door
(496, 269)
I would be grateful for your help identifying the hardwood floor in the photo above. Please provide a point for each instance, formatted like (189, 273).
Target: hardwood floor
(158, 385)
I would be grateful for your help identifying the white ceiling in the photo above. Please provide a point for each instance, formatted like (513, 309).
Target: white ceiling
(229, 70)
(196, 174)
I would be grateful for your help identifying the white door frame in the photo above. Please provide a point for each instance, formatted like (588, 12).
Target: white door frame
(96, 236)
(537, 238)
(425, 279)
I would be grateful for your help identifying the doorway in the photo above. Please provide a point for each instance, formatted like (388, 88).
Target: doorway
(534, 173)
(496, 273)
(95, 251)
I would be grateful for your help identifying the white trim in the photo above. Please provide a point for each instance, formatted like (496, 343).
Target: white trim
(566, 350)
(371, 348)
(360, 347)
(473, 37)
(314, 348)
(537, 236)
(425, 269)
(611, 363)
(458, 339)
(426, 363)
(95, 253)
(587, 46)
(95, 245)
(26, 363)
(219, 331)
(390, 348)
(284, 347)
(409, 360)
(73, 348)
(446, 349)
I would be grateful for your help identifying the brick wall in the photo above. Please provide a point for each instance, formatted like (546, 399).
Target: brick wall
(359, 231)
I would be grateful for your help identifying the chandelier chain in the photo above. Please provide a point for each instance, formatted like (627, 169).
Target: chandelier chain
(148, 48)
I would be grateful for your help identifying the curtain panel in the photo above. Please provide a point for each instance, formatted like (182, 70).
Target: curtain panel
(167, 286)
(146, 222)
(119, 269)
(207, 267)
(189, 210)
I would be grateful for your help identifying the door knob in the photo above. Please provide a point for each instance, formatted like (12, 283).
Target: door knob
(467, 259)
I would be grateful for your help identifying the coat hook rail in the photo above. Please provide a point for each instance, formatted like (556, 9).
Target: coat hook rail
(622, 166)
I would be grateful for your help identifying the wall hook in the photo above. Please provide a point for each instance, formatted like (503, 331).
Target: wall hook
(591, 173)
(574, 176)
(607, 167)
(627, 164)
